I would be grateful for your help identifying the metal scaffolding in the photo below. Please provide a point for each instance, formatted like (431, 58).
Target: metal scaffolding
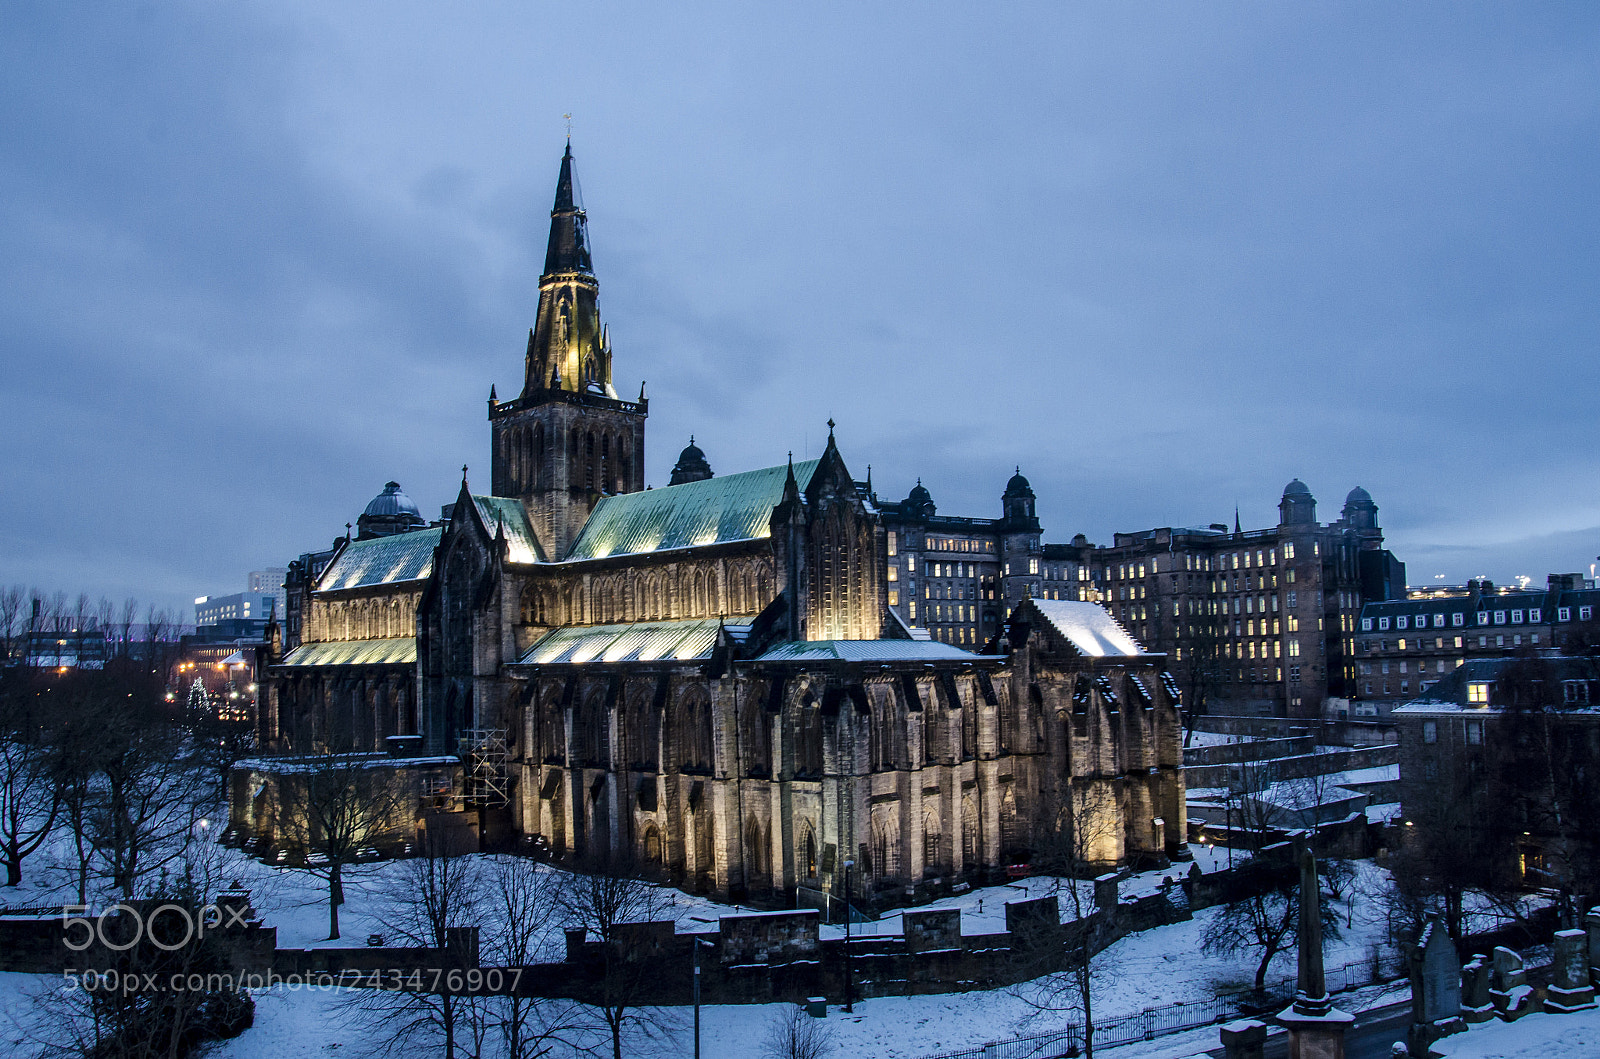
(483, 753)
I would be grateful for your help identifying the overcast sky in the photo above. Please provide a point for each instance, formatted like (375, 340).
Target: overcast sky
(259, 258)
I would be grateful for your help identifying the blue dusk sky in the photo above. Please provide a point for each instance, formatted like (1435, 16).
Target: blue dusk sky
(259, 258)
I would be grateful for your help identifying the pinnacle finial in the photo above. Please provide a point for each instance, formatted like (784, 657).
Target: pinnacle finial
(463, 476)
(492, 395)
(830, 426)
(691, 439)
(347, 531)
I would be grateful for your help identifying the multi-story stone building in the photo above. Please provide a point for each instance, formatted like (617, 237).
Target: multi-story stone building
(958, 578)
(1404, 646)
(1253, 621)
(708, 678)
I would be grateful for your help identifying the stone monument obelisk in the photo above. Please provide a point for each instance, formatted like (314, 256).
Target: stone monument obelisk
(1316, 1027)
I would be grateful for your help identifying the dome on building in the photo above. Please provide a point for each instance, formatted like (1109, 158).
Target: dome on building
(390, 512)
(392, 502)
(919, 495)
(1018, 486)
(1358, 495)
(919, 504)
(691, 466)
(1296, 488)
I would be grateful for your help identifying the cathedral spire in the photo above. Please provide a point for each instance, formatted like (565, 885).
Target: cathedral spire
(568, 250)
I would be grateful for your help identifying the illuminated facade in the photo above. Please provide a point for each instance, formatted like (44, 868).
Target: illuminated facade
(708, 679)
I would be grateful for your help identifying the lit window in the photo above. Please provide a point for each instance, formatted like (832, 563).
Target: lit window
(912, 605)
(1478, 693)
(893, 538)
(894, 597)
(911, 564)
(1402, 647)
(1294, 648)
(1033, 566)
(894, 573)
(1288, 550)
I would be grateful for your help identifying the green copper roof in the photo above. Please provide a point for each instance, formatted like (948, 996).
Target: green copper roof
(505, 512)
(643, 641)
(383, 561)
(399, 650)
(867, 651)
(735, 507)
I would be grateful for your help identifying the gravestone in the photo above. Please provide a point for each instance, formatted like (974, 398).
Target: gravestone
(1435, 988)
(1569, 987)
(1245, 1039)
(1591, 923)
(1509, 990)
(1475, 1003)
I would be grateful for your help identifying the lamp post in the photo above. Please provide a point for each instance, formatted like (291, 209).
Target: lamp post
(848, 1004)
(697, 943)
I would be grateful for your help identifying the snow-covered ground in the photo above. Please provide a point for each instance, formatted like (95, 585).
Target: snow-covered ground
(1157, 967)
(1530, 1037)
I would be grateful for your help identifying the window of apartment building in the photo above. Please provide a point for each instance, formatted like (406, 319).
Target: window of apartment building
(1585, 613)
(893, 541)
(1383, 623)
(911, 604)
(1458, 643)
(1483, 617)
(1575, 692)
(894, 597)
(1400, 622)
(1534, 615)
(1438, 621)
(1033, 566)
(1499, 617)
(1458, 619)
(893, 573)
(1369, 687)
(1516, 617)
(1499, 641)
(911, 564)
(1474, 733)
(1294, 648)
(1563, 614)
(1294, 674)
(1290, 602)
(1478, 693)
(1366, 624)
(1288, 550)
(1483, 641)
(1516, 641)
(1430, 731)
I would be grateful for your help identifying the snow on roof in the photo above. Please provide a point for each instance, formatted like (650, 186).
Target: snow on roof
(1089, 627)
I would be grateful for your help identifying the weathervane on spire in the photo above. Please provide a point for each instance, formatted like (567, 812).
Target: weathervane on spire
(569, 126)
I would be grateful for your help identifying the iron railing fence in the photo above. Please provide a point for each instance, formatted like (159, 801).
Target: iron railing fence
(1175, 1018)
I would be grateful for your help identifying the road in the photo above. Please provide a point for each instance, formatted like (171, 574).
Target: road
(1371, 1037)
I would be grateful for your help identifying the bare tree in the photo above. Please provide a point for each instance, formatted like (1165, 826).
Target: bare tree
(333, 806)
(432, 895)
(146, 803)
(29, 801)
(793, 1034)
(520, 902)
(603, 902)
(1075, 847)
(13, 623)
(1266, 921)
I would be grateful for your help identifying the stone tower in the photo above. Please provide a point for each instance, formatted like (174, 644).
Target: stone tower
(567, 440)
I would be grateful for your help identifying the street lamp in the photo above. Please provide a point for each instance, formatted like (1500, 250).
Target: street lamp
(698, 941)
(848, 1004)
